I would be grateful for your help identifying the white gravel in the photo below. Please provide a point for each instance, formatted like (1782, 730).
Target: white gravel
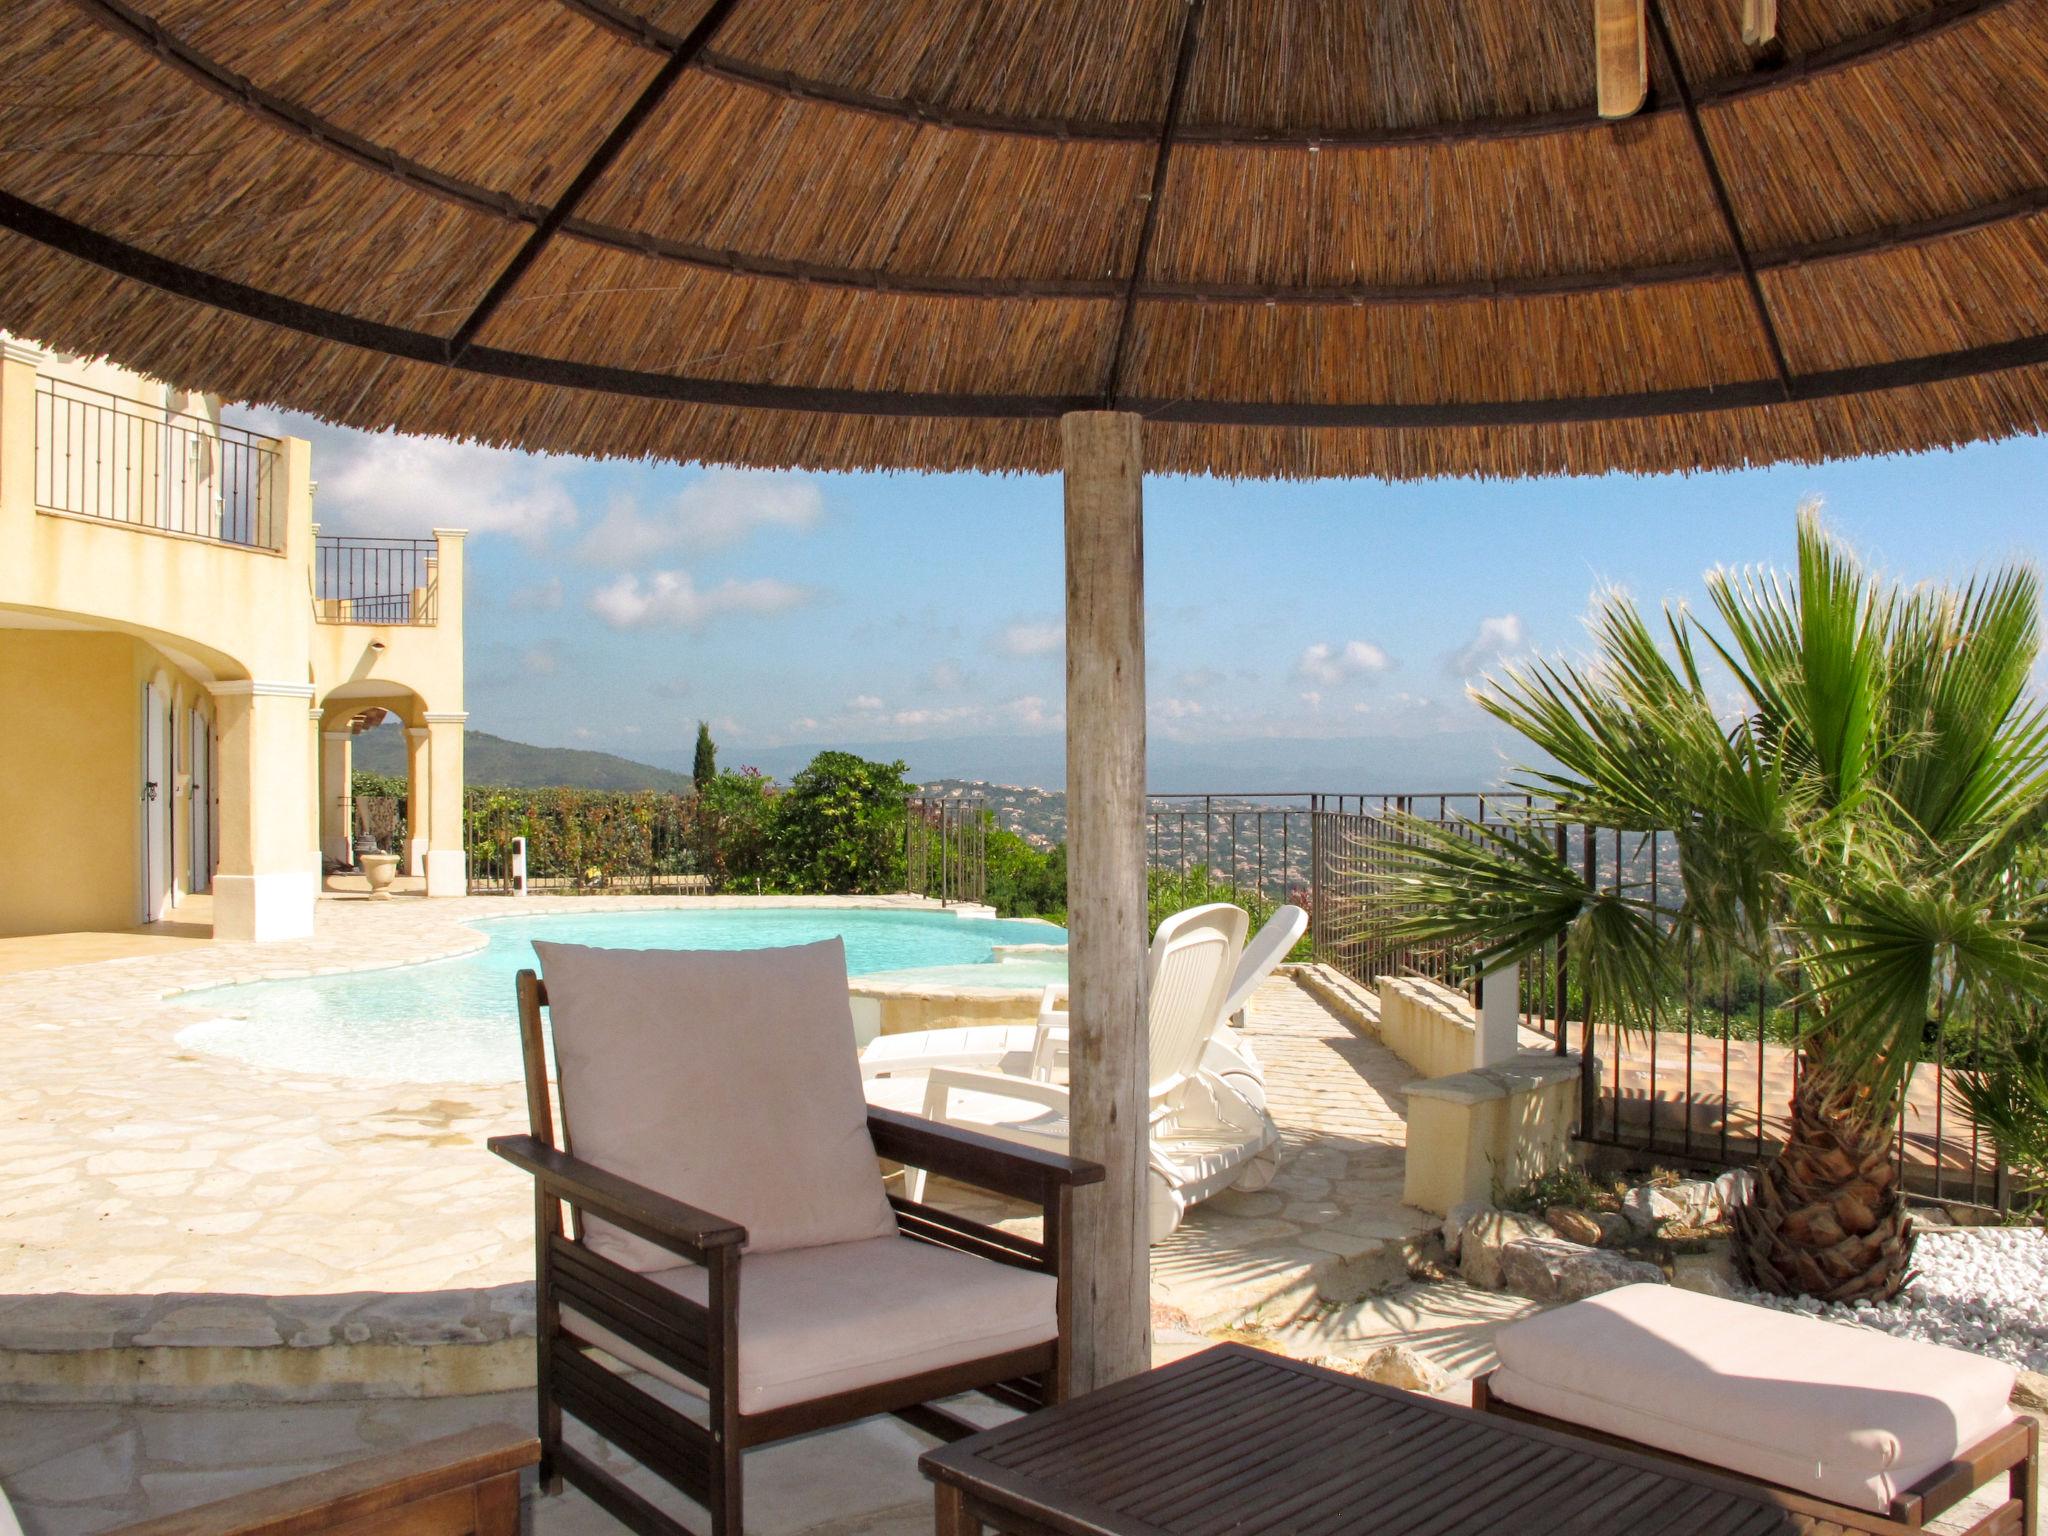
(1984, 1289)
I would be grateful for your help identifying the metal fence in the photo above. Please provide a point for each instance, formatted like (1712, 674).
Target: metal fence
(945, 849)
(376, 581)
(100, 455)
(1710, 1084)
(597, 842)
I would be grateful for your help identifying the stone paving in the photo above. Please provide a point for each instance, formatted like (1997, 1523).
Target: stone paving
(161, 1198)
(1332, 1224)
(130, 1165)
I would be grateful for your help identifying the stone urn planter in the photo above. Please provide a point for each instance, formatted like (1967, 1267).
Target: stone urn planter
(380, 869)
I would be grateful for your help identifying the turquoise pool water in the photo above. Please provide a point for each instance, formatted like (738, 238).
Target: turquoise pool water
(453, 1020)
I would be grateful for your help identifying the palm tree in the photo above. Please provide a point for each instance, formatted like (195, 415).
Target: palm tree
(1865, 829)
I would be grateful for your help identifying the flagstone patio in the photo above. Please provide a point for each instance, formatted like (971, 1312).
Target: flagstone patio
(181, 1221)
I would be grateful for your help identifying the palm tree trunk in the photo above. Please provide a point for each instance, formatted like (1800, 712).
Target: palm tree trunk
(1828, 1218)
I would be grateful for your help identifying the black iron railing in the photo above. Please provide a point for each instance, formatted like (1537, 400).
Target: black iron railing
(101, 456)
(945, 849)
(376, 581)
(1710, 1084)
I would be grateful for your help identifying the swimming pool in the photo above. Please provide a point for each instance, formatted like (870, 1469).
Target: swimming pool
(453, 1020)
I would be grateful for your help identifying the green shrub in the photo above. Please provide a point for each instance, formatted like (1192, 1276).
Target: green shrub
(364, 783)
(1025, 881)
(1170, 890)
(839, 828)
(734, 830)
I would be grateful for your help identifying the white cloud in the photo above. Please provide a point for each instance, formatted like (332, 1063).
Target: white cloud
(945, 677)
(671, 600)
(1031, 637)
(1198, 679)
(1311, 698)
(384, 483)
(542, 661)
(864, 703)
(716, 510)
(1177, 709)
(1495, 638)
(1329, 666)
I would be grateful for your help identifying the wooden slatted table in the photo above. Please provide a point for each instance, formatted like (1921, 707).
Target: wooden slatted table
(1237, 1442)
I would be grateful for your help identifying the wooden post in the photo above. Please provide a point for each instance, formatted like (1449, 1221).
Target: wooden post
(1108, 1056)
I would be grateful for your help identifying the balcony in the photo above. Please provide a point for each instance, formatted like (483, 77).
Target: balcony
(101, 456)
(376, 581)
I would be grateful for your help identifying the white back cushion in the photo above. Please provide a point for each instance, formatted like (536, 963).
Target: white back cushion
(727, 1079)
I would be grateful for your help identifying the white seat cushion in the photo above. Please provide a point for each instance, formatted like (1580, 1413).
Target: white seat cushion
(1840, 1413)
(816, 1321)
(726, 1079)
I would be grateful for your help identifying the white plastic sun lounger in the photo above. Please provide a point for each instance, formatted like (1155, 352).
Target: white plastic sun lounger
(1205, 1136)
(1039, 1050)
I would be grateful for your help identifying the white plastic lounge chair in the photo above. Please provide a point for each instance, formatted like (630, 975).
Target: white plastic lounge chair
(1039, 1050)
(1204, 1135)
(1230, 1055)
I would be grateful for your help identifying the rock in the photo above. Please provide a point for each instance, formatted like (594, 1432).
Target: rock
(1735, 1187)
(2030, 1392)
(1574, 1226)
(1698, 1199)
(1479, 1248)
(1648, 1207)
(1454, 1224)
(1546, 1269)
(1396, 1365)
(1615, 1229)
(1711, 1273)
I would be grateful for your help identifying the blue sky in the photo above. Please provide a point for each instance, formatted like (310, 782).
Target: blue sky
(614, 605)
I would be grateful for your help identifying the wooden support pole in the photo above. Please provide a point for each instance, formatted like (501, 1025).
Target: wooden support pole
(1108, 1056)
(1621, 57)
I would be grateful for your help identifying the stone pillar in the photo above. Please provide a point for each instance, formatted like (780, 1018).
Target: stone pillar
(267, 879)
(1498, 1037)
(418, 806)
(337, 798)
(447, 864)
(1109, 1064)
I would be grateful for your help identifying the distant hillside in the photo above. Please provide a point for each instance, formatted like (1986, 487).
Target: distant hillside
(488, 759)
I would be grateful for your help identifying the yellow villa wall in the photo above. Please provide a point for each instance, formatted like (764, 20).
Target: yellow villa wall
(71, 777)
(90, 608)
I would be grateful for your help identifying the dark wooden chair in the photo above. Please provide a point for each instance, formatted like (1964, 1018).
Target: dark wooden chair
(601, 1292)
(464, 1484)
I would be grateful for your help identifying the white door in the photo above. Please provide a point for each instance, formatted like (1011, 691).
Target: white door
(199, 821)
(156, 805)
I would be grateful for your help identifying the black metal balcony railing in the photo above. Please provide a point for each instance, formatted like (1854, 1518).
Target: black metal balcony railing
(98, 455)
(376, 581)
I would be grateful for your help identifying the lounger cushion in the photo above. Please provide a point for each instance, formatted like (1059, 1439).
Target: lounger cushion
(726, 1079)
(1840, 1413)
(815, 1321)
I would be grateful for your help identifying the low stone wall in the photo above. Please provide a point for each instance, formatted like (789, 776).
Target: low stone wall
(898, 1008)
(1471, 1134)
(1426, 1024)
(184, 1348)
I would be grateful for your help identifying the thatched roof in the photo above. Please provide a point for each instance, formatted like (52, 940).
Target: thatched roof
(1303, 237)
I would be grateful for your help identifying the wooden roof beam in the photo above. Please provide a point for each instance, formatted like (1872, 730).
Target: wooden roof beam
(1717, 185)
(600, 161)
(1184, 53)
